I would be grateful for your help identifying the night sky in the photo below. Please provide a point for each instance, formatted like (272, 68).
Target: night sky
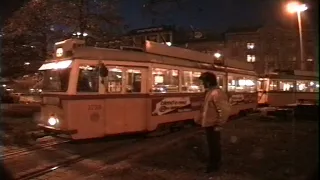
(201, 14)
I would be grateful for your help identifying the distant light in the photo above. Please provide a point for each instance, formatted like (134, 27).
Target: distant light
(168, 43)
(250, 45)
(3, 85)
(79, 33)
(26, 63)
(217, 55)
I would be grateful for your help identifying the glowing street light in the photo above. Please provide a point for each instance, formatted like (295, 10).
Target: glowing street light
(296, 7)
(79, 33)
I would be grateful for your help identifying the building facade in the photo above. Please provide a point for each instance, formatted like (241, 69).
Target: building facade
(137, 37)
(268, 48)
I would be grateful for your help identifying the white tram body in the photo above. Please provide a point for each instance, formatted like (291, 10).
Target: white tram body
(283, 88)
(143, 90)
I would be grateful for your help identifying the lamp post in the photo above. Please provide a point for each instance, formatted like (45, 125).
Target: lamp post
(296, 7)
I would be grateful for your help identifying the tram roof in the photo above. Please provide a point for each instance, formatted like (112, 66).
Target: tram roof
(153, 52)
(294, 74)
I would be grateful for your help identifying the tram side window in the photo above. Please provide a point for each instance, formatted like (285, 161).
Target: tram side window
(262, 85)
(133, 81)
(273, 86)
(286, 85)
(307, 86)
(88, 80)
(277, 85)
(190, 82)
(115, 76)
(220, 81)
(241, 84)
(165, 80)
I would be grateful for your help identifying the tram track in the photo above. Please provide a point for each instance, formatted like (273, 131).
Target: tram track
(115, 154)
(72, 159)
(32, 149)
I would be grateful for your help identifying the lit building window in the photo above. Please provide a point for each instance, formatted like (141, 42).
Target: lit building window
(250, 45)
(310, 59)
(251, 58)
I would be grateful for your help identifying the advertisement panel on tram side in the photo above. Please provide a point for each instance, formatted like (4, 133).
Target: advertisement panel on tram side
(170, 105)
(242, 98)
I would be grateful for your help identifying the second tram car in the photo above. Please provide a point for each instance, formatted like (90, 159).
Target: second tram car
(93, 92)
(288, 87)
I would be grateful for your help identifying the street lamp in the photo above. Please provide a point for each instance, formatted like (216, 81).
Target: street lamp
(79, 33)
(296, 7)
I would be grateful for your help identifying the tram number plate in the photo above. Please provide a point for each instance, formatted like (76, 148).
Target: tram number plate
(94, 107)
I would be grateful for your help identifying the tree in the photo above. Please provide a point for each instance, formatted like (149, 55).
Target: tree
(42, 22)
(14, 54)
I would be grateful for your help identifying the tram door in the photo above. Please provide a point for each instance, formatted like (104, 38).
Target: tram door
(132, 101)
(262, 91)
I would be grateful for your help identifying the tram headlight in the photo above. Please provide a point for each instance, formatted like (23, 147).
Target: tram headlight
(53, 121)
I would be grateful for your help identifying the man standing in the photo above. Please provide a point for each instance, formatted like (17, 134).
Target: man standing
(213, 114)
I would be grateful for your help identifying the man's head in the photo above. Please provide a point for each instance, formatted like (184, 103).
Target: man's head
(208, 79)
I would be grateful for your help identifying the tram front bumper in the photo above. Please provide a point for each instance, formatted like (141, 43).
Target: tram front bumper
(57, 130)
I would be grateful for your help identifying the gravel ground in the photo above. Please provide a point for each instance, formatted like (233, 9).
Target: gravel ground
(16, 131)
(20, 111)
(252, 150)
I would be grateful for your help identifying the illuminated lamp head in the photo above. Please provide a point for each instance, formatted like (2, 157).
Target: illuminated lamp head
(52, 120)
(59, 52)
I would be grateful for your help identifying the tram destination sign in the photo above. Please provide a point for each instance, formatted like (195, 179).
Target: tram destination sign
(163, 106)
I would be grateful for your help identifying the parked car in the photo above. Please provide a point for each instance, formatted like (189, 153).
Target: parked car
(7, 97)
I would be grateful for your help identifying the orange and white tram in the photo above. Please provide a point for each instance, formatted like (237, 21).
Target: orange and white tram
(284, 88)
(91, 92)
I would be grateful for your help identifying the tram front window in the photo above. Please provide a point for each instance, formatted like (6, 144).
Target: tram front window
(88, 80)
(56, 80)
